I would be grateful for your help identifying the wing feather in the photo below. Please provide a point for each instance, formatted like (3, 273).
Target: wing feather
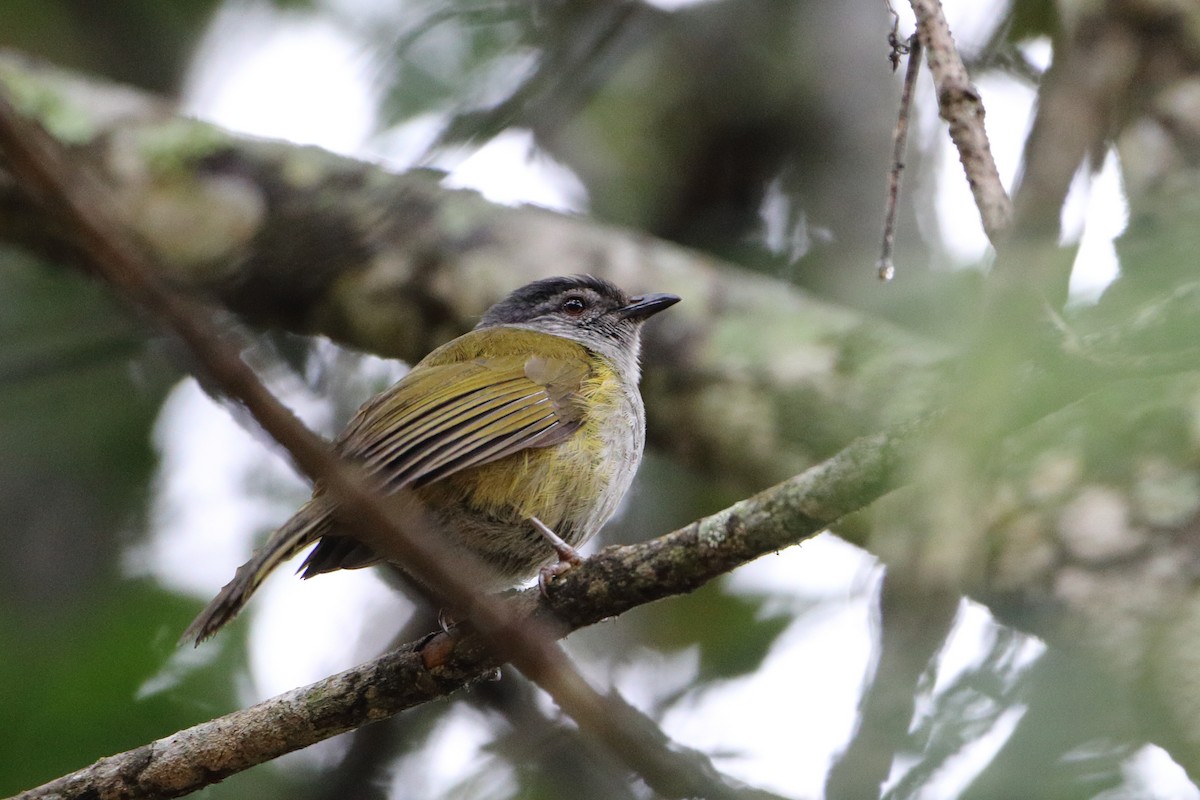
(454, 416)
(408, 430)
(495, 439)
(479, 429)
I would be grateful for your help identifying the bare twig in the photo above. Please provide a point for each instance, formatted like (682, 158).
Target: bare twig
(886, 268)
(609, 583)
(398, 530)
(959, 104)
(898, 48)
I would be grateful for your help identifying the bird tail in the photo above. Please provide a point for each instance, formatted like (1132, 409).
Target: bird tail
(306, 525)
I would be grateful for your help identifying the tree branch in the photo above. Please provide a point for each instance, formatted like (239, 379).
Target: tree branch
(297, 238)
(609, 583)
(398, 529)
(960, 106)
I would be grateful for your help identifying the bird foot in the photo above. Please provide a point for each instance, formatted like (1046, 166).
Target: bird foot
(447, 620)
(548, 573)
(568, 557)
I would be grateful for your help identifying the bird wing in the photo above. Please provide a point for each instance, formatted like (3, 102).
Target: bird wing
(448, 417)
(460, 409)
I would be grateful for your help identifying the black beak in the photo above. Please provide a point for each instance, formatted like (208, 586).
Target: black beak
(645, 306)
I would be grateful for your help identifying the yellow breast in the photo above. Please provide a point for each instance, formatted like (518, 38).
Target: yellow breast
(573, 486)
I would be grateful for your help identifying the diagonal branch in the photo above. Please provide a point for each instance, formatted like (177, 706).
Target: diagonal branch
(398, 529)
(613, 581)
(295, 238)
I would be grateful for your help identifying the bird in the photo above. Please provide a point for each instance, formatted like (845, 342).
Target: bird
(519, 438)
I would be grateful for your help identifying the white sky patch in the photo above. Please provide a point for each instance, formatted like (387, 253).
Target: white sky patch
(970, 639)
(456, 762)
(304, 630)
(1095, 213)
(783, 232)
(406, 145)
(1153, 773)
(781, 740)
(780, 727)
(203, 516)
(289, 76)
(511, 169)
(972, 21)
(822, 567)
(1039, 52)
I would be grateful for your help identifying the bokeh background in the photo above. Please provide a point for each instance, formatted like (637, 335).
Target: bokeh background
(754, 131)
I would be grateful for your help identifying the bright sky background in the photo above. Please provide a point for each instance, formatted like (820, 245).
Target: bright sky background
(302, 78)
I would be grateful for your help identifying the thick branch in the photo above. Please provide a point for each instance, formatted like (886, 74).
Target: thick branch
(398, 529)
(761, 381)
(613, 581)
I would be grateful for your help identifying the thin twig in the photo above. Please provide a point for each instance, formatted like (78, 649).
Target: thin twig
(398, 530)
(898, 48)
(959, 104)
(886, 268)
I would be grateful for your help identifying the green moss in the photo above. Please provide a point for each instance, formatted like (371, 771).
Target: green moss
(173, 146)
(304, 169)
(49, 103)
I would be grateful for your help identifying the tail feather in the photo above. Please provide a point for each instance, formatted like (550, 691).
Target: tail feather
(307, 525)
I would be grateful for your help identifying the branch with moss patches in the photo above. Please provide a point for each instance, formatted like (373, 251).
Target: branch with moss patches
(399, 529)
(611, 582)
(751, 379)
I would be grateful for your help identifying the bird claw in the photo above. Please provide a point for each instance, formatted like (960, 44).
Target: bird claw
(447, 621)
(568, 556)
(548, 573)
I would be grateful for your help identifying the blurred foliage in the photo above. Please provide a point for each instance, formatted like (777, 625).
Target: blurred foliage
(1066, 745)
(141, 42)
(756, 130)
(75, 414)
(74, 692)
(77, 399)
(685, 154)
(441, 53)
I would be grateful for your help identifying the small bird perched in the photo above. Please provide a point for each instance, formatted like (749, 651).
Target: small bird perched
(524, 432)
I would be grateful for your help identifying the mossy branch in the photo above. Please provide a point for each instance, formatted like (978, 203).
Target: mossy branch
(613, 581)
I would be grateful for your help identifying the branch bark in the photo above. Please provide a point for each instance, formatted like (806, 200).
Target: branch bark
(959, 104)
(396, 528)
(609, 583)
(761, 380)
(435, 257)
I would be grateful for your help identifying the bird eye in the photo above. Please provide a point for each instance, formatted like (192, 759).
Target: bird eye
(573, 306)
